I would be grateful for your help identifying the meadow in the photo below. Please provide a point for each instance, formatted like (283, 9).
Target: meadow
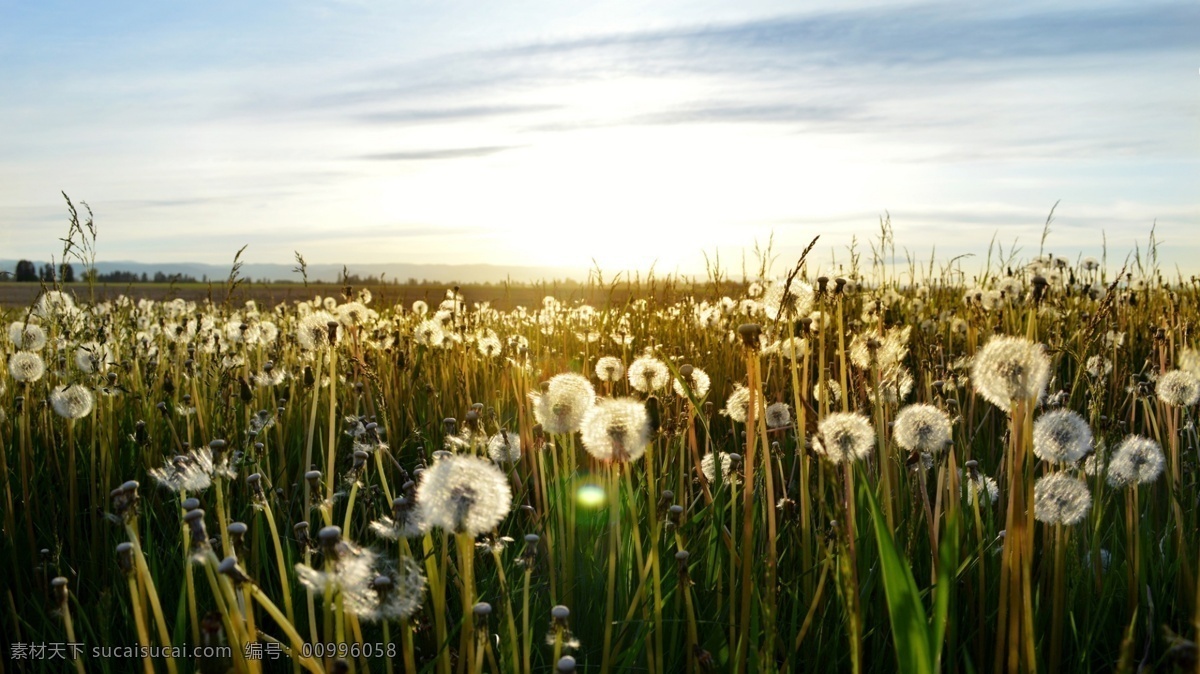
(830, 469)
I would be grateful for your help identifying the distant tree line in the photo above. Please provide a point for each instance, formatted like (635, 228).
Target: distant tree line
(28, 272)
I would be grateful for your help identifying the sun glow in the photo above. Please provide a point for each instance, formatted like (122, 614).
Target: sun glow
(633, 197)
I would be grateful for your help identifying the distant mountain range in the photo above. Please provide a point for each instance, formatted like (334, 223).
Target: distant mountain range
(329, 273)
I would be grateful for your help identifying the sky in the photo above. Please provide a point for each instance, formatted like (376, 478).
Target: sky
(618, 134)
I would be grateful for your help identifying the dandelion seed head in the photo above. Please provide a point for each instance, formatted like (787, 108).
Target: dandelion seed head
(785, 301)
(1137, 460)
(895, 385)
(922, 428)
(1061, 499)
(26, 366)
(394, 593)
(845, 437)
(355, 313)
(72, 402)
(979, 487)
(697, 380)
(91, 357)
(778, 415)
(313, 331)
(488, 344)
(191, 472)
(616, 429)
(463, 493)
(406, 522)
(827, 385)
(887, 353)
(273, 377)
(349, 568)
(648, 374)
(53, 303)
(1178, 388)
(610, 369)
(708, 466)
(1011, 369)
(1098, 366)
(429, 333)
(505, 447)
(737, 405)
(1061, 436)
(563, 405)
(26, 336)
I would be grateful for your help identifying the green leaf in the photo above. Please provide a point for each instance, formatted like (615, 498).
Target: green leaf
(947, 571)
(910, 627)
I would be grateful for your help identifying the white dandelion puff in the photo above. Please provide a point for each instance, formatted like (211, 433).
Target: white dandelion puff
(697, 380)
(313, 331)
(505, 447)
(979, 487)
(463, 494)
(26, 336)
(784, 301)
(72, 402)
(922, 428)
(827, 385)
(648, 374)
(562, 406)
(610, 369)
(393, 594)
(26, 366)
(616, 429)
(1061, 499)
(429, 333)
(708, 466)
(779, 415)
(488, 344)
(1061, 436)
(737, 405)
(845, 437)
(1011, 369)
(191, 472)
(1178, 388)
(1137, 460)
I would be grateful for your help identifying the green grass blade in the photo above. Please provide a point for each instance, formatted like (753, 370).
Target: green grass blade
(947, 571)
(910, 627)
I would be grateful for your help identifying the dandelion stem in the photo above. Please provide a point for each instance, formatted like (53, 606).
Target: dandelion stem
(312, 432)
(614, 537)
(164, 636)
(140, 622)
(466, 563)
(286, 625)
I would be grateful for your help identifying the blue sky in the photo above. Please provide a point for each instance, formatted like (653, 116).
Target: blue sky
(558, 133)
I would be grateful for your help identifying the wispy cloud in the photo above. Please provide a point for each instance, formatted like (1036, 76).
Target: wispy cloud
(437, 153)
(452, 114)
(904, 35)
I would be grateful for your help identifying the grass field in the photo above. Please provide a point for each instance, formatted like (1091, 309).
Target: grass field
(499, 295)
(792, 474)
